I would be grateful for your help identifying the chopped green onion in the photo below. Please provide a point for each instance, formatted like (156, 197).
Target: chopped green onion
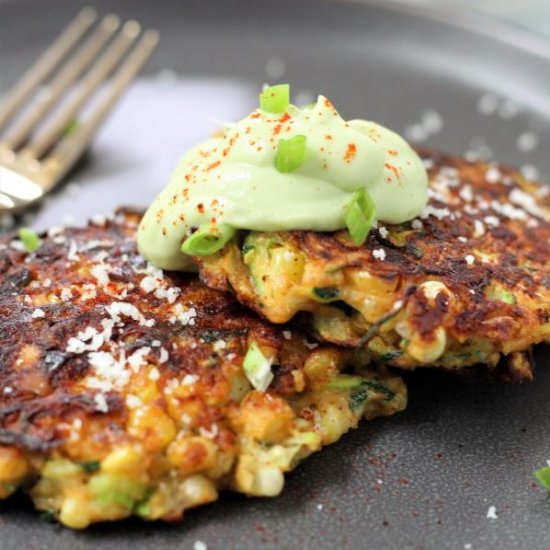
(142, 509)
(49, 515)
(507, 297)
(115, 497)
(90, 466)
(502, 295)
(290, 153)
(346, 382)
(29, 238)
(360, 215)
(325, 294)
(357, 399)
(543, 476)
(116, 489)
(257, 368)
(275, 99)
(208, 239)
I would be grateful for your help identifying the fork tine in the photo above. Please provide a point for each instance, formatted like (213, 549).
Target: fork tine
(72, 146)
(66, 76)
(17, 190)
(45, 64)
(97, 74)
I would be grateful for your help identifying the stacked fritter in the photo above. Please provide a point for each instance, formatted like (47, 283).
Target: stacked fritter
(126, 390)
(466, 283)
(123, 389)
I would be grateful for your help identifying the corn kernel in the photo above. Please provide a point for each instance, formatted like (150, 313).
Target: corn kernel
(124, 460)
(198, 490)
(321, 367)
(74, 513)
(264, 417)
(152, 425)
(60, 468)
(13, 465)
(192, 454)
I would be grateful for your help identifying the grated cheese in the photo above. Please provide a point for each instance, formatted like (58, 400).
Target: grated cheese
(137, 359)
(101, 273)
(379, 254)
(101, 403)
(185, 317)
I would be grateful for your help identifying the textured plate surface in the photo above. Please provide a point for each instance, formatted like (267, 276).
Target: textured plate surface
(423, 479)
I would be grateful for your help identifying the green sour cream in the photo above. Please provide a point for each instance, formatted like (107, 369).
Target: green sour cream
(233, 180)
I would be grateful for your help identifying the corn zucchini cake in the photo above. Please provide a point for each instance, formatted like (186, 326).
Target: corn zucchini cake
(467, 282)
(126, 390)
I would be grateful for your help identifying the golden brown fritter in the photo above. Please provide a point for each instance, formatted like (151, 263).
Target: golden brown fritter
(465, 283)
(123, 390)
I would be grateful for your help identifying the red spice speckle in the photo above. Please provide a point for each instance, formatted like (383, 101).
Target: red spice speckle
(284, 118)
(213, 219)
(392, 152)
(200, 207)
(350, 153)
(328, 137)
(255, 115)
(392, 168)
(329, 104)
(212, 166)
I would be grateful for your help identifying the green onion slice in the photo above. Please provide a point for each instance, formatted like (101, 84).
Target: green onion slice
(275, 99)
(29, 238)
(208, 239)
(90, 466)
(325, 294)
(501, 294)
(290, 153)
(346, 382)
(360, 215)
(543, 476)
(257, 368)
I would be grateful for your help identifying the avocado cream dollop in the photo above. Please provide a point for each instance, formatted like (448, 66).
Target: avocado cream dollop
(233, 181)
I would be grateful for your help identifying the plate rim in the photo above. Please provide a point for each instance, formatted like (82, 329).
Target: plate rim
(469, 19)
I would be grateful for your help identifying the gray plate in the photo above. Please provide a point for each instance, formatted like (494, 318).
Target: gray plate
(425, 478)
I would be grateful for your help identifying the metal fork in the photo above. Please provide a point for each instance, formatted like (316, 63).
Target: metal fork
(45, 140)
